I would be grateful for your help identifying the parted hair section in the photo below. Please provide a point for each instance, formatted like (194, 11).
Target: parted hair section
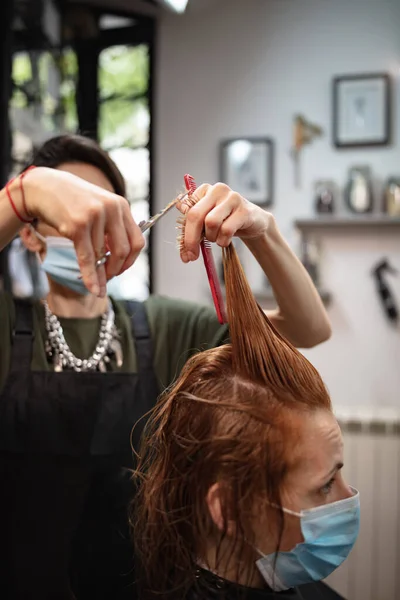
(226, 420)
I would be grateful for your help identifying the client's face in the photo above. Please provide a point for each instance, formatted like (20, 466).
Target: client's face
(314, 480)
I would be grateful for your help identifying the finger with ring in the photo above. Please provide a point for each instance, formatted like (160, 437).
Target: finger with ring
(103, 259)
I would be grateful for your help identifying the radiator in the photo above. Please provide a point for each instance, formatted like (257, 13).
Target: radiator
(372, 465)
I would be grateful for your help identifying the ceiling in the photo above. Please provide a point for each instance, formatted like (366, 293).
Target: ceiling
(36, 21)
(145, 7)
(151, 8)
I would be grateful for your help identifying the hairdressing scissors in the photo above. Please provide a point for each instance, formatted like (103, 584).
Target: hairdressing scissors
(146, 225)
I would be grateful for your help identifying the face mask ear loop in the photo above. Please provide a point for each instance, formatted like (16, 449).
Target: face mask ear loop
(42, 239)
(38, 235)
(39, 258)
(292, 512)
(286, 510)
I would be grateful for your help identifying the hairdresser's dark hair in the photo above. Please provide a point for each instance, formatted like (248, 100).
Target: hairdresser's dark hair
(231, 418)
(79, 149)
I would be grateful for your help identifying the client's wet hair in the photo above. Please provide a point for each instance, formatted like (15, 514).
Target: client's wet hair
(230, 419)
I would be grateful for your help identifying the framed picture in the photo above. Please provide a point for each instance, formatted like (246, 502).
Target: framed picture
(246, 165)
(361, 110)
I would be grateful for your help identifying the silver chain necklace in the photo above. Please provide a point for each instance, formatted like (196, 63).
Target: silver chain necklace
(59, 352)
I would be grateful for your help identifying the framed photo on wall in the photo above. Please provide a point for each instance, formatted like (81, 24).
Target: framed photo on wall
(246, 165)
(361, 110)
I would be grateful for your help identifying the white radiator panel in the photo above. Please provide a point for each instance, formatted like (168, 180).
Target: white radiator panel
(372, 465)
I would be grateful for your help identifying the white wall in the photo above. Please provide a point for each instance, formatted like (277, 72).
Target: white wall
(238, 68)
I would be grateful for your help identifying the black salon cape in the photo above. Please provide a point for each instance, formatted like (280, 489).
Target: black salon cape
(211, 587)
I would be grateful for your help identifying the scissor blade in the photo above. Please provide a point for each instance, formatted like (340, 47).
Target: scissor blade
(145, 225)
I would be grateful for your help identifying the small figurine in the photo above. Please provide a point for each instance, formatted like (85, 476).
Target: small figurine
(359, 190)
(392, 197)
(324, 197)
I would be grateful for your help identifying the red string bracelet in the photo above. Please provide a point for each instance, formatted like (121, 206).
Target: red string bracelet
(21, 186)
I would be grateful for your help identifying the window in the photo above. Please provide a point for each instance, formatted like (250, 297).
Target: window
(43, 100)
(124, 129)
(46, 89)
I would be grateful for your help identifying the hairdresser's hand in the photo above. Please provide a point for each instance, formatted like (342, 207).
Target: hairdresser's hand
(220, 213)
(91, 217)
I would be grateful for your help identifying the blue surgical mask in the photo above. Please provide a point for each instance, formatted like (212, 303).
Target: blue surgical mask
(61, 263)
(329, 533)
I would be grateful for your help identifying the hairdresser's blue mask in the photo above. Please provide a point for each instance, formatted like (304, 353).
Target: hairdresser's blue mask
(329, 533)
(61, 263)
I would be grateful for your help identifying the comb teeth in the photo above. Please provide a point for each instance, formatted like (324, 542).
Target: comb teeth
(181, 221)
(190, 183)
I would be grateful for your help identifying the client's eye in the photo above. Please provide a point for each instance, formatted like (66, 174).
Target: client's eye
(328, 486)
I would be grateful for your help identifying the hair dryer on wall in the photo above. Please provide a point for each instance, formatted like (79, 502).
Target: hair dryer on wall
(384, 290)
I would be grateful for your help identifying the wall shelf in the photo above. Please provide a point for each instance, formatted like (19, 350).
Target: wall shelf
(345, 222)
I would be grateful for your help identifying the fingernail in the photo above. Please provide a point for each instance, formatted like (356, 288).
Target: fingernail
(103, 291)
(95, 289)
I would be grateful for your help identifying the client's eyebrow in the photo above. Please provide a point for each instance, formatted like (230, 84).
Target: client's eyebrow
(335, 469)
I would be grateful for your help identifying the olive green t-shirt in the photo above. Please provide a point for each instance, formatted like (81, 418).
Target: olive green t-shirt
(179, 329)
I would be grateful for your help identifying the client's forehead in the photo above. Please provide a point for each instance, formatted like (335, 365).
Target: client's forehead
(317, 444)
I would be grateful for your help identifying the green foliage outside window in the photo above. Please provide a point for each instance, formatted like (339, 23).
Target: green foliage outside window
(123, 85)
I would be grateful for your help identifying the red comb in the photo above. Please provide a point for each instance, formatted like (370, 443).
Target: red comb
(209, 264)
(190, 184)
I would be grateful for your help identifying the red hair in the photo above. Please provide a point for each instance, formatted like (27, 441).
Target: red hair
(229, 419)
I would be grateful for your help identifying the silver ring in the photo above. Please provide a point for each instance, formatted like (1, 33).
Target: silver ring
(102, 260)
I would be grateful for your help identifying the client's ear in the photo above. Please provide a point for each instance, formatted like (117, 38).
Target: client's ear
(30, 239)
(216, 502)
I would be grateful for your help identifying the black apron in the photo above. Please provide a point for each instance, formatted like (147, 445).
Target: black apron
(65, 481)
